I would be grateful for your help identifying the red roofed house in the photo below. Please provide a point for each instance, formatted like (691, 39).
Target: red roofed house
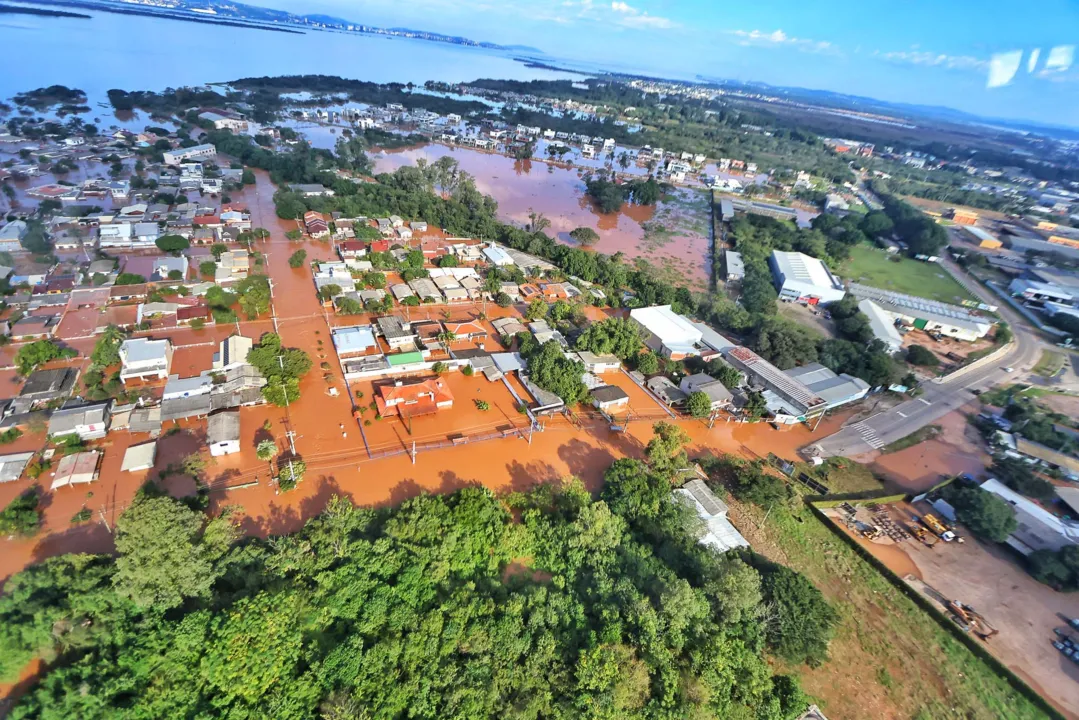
(211, 221)
(316, 224)
(553, 291)
(422, 397)
(380, 246)
(186, 314)
(352, 249)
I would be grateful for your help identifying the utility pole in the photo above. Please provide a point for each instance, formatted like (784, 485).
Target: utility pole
(104, 519)
(413, 452)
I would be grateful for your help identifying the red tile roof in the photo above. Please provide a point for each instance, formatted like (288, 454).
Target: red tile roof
(416, 398)
(207, 220)
(380, 246)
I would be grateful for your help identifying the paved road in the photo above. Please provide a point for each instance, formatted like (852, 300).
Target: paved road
(938, 399)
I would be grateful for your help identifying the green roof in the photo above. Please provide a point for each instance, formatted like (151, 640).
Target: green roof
(405, 358)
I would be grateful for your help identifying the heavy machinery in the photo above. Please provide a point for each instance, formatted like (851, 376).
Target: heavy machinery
(937, 527)
(921, 535)
(971, 620)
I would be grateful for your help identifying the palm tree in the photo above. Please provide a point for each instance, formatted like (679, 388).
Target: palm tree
(266, 450)
(537, 221)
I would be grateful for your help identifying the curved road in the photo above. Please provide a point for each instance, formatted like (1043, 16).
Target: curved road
(939, 398)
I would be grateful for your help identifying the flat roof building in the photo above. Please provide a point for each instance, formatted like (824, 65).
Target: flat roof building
(834, 389)
(799, 400)
(139, 457)
(929, 315)
(1038, 528)
(223, 432)
(666, 332)
(736, 269)
(799, 277)
(175, 157)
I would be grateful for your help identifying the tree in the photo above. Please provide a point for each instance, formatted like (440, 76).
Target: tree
(172, 243)
(294, 234)
(665, 452)
(756, 406)
(1058, 569)
(918, 355)
(1003, 334)
(648, 363)
(167, 552)
(749, 481)
(208, 268)
(612, 336)
(21, 517)
(803, 622)
(699, 405)
(585, 236)
(503, 300)
(447, 261)
(290, 473)
(126, 278)
(556, 373)
(784, 343)
(988, 516)
(38, 353)
(876, 224)
(266, 450)
(106, 350)
(1019, 476)
(537, 309)
(296, 259)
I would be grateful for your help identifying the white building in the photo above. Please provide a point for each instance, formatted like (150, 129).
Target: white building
(882, 323)
(175, 157)
(801, 278)
(1038, 528)
(144, 359)
(666, 332)
(497, 256)
(718, 533)
(223, 432)
(929, 315)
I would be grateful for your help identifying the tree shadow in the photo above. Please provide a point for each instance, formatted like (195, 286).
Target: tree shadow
(525, 477)
(91, 537)
(261, 434)
(326, 487)
(402, 491)
(586, 461)
(280, 520)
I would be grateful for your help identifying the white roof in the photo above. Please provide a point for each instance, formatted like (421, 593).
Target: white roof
(139, 457)
(719, 533)
(497, 255)
(882, 323)
(144, 350)
(667, 325)
(799, 267)
(1038, 528)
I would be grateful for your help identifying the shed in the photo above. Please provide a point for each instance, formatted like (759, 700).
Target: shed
(11, 466)
(609, 398)
(77, 469)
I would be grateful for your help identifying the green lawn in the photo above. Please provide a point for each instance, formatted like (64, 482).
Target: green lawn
(871, 266)
(1050, 363)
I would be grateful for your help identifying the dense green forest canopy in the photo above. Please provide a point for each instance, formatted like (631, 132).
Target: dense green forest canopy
(544, 604)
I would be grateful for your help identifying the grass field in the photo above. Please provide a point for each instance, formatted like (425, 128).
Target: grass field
(888, 657)
(870, 266)
(1050, 363)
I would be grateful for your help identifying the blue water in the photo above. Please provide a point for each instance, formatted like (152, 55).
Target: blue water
(144, 53)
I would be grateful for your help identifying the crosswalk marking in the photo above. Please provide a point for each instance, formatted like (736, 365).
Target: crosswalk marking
(868, 435)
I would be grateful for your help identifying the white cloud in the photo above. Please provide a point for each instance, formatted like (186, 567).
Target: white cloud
(932, 59)
(622, 7)
(778, 38)
(630, 17)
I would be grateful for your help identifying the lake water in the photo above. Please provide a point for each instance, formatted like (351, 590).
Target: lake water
(143, 53)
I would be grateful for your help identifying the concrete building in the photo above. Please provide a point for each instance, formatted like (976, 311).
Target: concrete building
(662, 387)
(223, 432)
(882, 324)
(801, 278)
(11, 466)
(87, 422)
(1038, 528)
(144, 359)
(1041, 292)
(413, 398)
(599, 363)
(716, 391)
(178, 387)
(718, 531)
(609, 398)
(928, 315)
(497, 256)
(175, 157)
(666, 332)
(232, 352)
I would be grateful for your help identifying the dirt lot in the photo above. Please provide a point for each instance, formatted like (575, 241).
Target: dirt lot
(809, 317)
(990, 580)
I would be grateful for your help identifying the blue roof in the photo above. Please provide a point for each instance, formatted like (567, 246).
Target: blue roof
(353, 339)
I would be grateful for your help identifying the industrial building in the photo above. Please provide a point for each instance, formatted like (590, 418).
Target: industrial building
(1038, 528)
(788, 398)
(175, 157)
(983, 238)
(929, 315)
(834, 389)
(1041, 292)
(882, 323)
(801, 278)
(666, 332)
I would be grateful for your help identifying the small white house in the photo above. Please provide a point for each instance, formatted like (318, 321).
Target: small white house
(223, 432)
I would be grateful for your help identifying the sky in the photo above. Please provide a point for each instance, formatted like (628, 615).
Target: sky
(994, 58)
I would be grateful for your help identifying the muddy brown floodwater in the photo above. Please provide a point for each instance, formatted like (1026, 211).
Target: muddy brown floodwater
(521, 186)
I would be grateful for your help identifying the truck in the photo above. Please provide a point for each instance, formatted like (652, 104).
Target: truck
(937, 527)
(921, 535)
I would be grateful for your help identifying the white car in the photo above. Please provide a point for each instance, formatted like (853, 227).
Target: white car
(1009, 369)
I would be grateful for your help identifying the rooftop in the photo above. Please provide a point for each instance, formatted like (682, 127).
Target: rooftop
(775, 377)
(803, 268)
(667, 325)
(719, 533)
(223, 426)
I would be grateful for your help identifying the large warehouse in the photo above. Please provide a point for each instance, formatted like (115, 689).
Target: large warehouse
(666, 332)
(928, 315)
(801, 278)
